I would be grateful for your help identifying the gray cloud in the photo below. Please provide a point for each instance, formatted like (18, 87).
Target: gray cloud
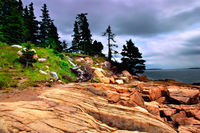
(166, 31)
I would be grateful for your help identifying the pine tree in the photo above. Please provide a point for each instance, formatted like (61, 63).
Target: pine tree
(76, 39)
(11, 22)
(98, 47)
(65, 46)
(53, 37)
(82, 35)
(20, 6)
(132, 59)
(44, 26)
(110, 37)
(26, 18)
(33, 24)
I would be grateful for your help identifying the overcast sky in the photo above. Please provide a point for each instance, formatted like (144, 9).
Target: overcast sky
(167, 32)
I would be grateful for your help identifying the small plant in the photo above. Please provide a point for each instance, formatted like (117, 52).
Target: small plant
(27, 57)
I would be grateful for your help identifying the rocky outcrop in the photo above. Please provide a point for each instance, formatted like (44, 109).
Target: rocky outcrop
(84, 107)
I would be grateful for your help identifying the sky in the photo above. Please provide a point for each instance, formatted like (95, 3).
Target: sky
(167, 32)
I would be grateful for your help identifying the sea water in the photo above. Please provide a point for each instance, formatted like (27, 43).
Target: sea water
(182, 75)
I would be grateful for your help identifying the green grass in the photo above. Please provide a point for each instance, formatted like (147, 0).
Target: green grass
(11, 69)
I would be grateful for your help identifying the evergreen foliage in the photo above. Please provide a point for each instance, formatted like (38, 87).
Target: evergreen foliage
(44, 26)
(97, 48)
(132, 59)
(31, 25)
(110, 46)
(11, 22)
(76, 38)
(82, 42)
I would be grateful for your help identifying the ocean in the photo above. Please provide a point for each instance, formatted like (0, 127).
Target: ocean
(182, 75)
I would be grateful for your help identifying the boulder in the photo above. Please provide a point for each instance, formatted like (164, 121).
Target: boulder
(42, 72)
(89, 61)
(113, 97)
(136, 99)
(143, 78)
(80, 60)
(125, 79)
(98, 73)
(112, 80)
(16, 46)
(185, 96)
(107, 64)
(167, 111)
(119, 82)
(105, 80)
(126, 74)
(42, 59)
(54, 74)
(152, 108)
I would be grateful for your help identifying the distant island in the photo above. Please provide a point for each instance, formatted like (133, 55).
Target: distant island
(194, 68)
(154, 69)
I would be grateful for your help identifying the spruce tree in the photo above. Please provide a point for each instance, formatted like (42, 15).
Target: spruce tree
(76, 39)
(26, 18)
(82, 36)
(132, 59)
(98, 47)
(110, 46)
(11, 22)
(53, 38)
(44, 26)
(33, 24)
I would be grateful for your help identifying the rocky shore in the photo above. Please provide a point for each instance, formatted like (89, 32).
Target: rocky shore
(120, 104)
(160, 106)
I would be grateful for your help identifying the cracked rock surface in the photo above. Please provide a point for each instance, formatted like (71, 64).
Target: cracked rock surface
(78, 108)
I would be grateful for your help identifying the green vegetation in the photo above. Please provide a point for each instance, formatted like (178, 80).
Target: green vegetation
(14, 74)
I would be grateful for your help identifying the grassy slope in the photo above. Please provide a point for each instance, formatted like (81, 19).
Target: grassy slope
(11, 70)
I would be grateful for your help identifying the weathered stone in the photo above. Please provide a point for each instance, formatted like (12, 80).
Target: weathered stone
(183, 95)
(98, 73)
(135, 98)
(113, 97)
(42, 72)
(54, 74)
(143, 78)
(112, 80)
(104, 80)
(119, 82)
(125, 79)
(42, 59)
(107, 64)
(152, 108)
(161, 100)
(167, 111)
(16, 46)
(180, 118)
(80, 60)
(126, 74)
(89, 61)
(73, 108)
